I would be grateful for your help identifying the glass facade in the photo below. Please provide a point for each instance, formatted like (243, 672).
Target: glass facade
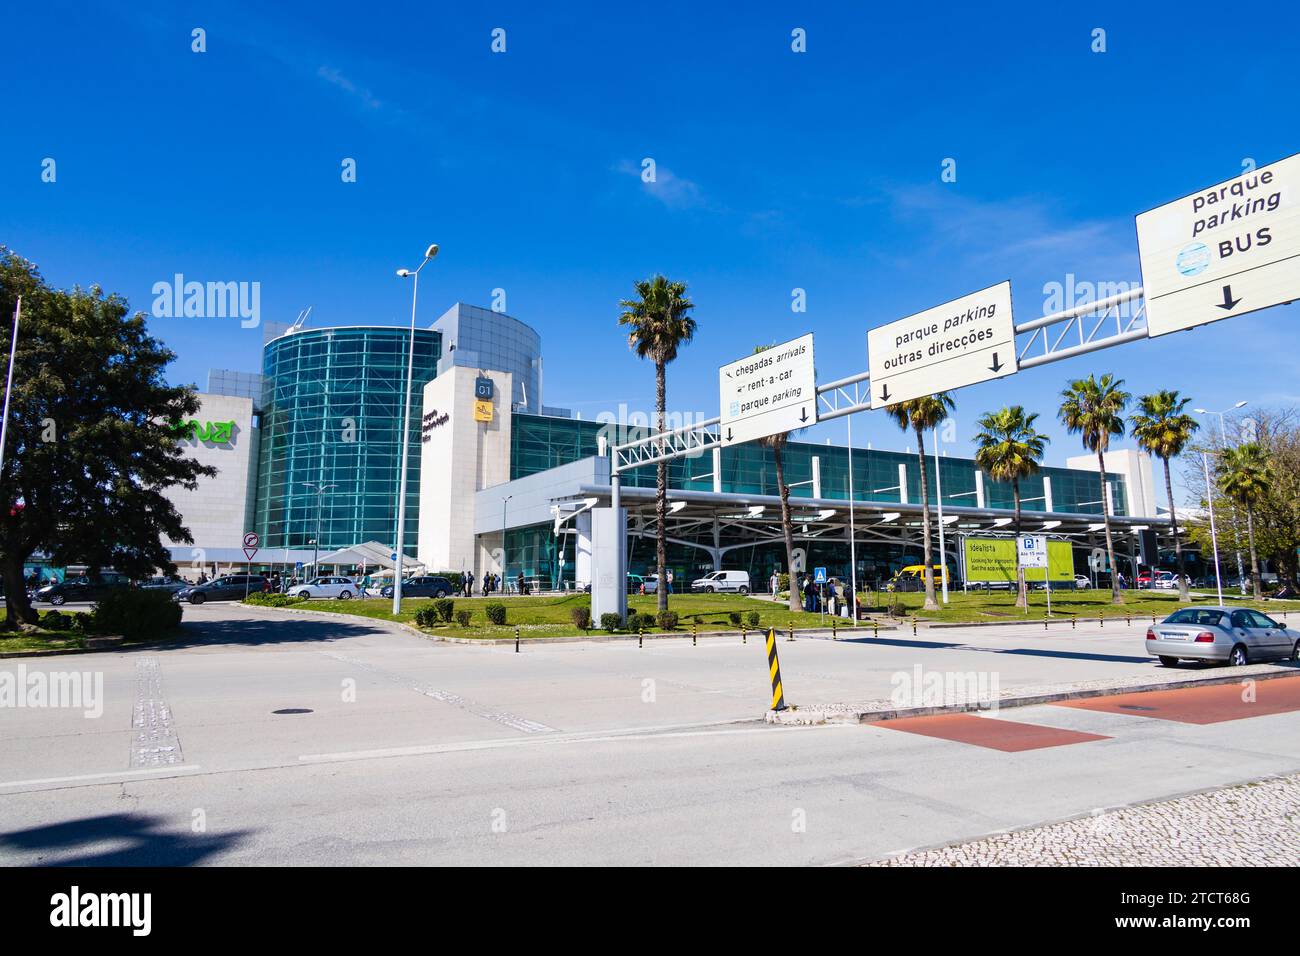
(331, 415)
(539, 443)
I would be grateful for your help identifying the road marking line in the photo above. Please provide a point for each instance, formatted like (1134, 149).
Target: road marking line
(467, 746)
(102, 776)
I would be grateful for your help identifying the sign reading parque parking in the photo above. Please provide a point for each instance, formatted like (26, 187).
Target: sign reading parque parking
(962, 342)
(1223, 251)
(769, 392)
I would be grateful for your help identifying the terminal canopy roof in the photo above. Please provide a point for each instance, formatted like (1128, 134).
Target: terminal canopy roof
(369, 553)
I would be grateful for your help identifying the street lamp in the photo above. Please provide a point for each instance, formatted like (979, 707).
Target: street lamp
(406, 427)
(315, 554)
(1223, 438)
(505, 565)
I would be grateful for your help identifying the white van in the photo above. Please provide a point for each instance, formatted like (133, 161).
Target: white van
(737, 581)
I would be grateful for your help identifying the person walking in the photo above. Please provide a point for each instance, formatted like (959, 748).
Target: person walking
(774, 583)
(521, 584)
(365, 585)
(670, 580)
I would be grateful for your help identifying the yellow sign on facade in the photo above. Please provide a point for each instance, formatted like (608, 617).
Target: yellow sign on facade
(482, 411)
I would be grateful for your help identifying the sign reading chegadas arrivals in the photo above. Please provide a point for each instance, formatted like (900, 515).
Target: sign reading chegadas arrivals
(1223, 251)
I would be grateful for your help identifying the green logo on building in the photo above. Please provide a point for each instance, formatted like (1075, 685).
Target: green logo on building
(219, 433)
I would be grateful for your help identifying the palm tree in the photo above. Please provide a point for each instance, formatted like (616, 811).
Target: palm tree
(658, 324)
(1163, 429)
(1243, 477)
(777, 444)
(1093, 408)
(1009, 448)
(920, 414)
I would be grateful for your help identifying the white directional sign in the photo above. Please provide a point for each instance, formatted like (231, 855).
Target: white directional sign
(1224, 251)
(768, 392)
(1032, 550)
(968, 340)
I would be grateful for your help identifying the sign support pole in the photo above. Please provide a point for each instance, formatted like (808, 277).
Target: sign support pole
(938, 489)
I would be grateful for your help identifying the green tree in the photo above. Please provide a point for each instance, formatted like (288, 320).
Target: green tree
(1009, 448)
(920, 415)
(777, 445)
(1093, 408)
(1243, 476)
(658, 324)
(1163, 429)
(92, 448)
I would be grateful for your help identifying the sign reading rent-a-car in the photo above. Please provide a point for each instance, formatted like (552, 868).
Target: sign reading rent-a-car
(769, 392)
(1223, 251)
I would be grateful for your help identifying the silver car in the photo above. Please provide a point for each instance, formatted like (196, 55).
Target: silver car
(1238, 635)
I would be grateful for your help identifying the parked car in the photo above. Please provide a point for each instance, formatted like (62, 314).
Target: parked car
(428, 585)
(166, 584)
(82, 588)
(634, 582)
(650, 584)
(734, 581)
(232, 587)
(1082, 582)
(341, 588)
(911, 578)
(1238, 635)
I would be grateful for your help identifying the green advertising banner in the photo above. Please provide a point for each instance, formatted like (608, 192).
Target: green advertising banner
(993, 561)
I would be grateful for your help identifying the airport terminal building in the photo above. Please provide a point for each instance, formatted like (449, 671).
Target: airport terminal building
(498, 481)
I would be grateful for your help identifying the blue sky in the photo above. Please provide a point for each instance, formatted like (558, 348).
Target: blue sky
(776, 171)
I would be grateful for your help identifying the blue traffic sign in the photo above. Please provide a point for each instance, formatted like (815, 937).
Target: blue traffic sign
(819, 575)
(393, 556)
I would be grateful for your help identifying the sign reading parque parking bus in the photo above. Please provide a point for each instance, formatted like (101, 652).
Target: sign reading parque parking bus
(962, 342)
(769, 392)
(1223, 251)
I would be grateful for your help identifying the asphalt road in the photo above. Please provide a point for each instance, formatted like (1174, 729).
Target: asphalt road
(411, 751)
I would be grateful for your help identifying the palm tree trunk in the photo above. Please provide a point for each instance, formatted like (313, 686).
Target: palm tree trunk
(1022, 589)
(930, 603)
(1254, 558)
(1183, 593)
(787, 525)
(661, 492)
(1115, 596)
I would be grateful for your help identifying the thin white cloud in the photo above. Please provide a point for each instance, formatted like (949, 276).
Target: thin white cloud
(675, 192)
(363, 95)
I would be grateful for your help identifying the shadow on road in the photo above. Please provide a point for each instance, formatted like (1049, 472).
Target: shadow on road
(1025, 651)
(98, 841)
(255, 631)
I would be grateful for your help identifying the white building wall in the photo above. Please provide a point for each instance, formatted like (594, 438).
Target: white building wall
(458, 457)
(219, 510)
(1135, 468)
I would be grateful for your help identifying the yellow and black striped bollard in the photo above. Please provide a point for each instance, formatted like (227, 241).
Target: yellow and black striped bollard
(774, 669)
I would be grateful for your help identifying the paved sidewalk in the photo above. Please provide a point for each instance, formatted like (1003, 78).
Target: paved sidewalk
(1254, 824)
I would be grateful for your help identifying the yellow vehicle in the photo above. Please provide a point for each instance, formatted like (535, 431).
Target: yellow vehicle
(911, 578)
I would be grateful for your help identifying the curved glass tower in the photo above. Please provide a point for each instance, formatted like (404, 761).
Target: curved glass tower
(332, 415)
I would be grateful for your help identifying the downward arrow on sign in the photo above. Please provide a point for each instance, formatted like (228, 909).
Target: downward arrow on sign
(1228, 303)
(996, 366)
(884, 393)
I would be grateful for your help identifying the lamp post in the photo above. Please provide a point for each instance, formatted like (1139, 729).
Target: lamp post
(414, 275)
(315, 554)
(505, 565)
(9, 381)
(1223, 438)
(1214, 537)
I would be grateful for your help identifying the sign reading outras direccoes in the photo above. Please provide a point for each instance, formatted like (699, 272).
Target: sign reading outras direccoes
(769, 392)
(1223, 251)
(962, 342)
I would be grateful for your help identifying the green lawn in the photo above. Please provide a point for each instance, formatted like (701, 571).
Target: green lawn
(39, 641)
(550, 616)
(992, 606)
